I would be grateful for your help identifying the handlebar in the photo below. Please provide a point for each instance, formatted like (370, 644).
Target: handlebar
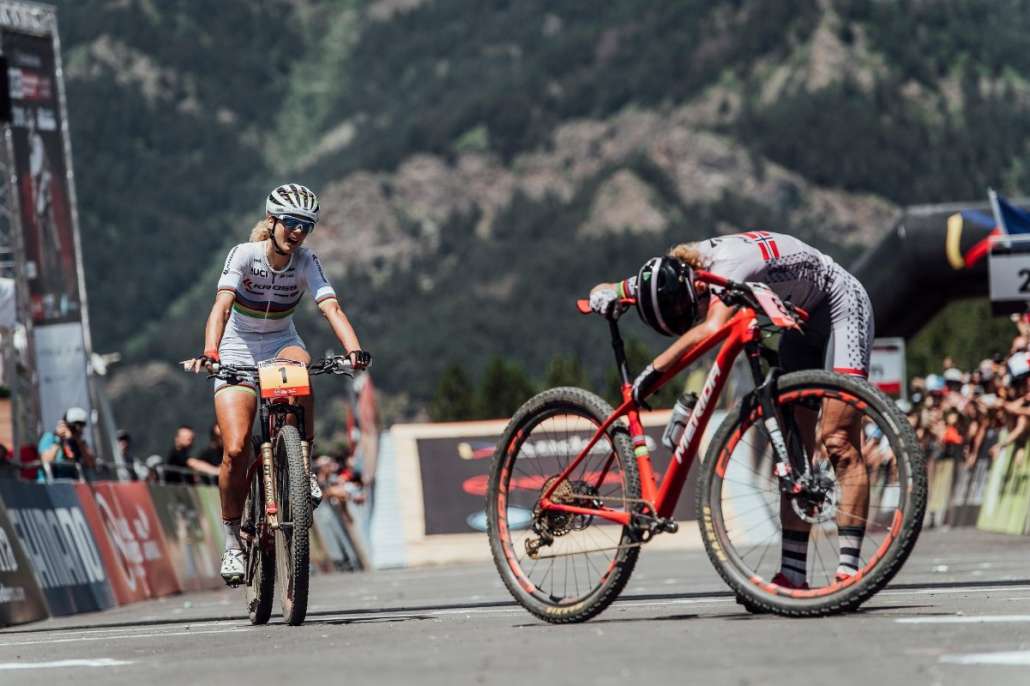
(335, 364)
(733, 293)
(584, 305)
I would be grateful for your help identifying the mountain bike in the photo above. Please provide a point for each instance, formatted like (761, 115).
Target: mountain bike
(580, 473)
(277, 512)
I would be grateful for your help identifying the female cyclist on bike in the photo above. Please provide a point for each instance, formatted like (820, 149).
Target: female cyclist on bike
(252, 320)
(838, 335)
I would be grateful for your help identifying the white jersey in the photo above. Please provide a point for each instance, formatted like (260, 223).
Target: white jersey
(793, 269)
(266, 298)
(807, 278)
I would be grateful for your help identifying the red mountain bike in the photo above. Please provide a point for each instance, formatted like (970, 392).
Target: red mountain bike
(580, 472)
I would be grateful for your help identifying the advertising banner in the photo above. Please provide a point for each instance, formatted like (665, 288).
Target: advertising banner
(344, 553)
(52, 528)
(211, 505)
(992, 515)
(887, 366)
(123, 584)
(132, 524)
(61, 365)
(21, 599)
(455, 471)
(187, 531)
(51, 262)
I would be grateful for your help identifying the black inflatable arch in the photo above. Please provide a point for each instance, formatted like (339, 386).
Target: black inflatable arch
(934, 254)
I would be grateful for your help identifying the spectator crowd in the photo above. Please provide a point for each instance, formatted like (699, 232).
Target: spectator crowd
(965, 418)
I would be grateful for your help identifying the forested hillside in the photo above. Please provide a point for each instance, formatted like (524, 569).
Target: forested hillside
(483, 163)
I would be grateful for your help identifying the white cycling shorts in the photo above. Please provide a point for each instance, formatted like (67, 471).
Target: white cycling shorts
(249, 349)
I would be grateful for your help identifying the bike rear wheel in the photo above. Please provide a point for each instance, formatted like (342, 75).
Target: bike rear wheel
(260, 587)
(588, 560)
(292, 551)
(869, 515)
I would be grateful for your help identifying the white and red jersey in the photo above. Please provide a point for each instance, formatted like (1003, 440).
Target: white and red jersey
(266, 298)
(807, 278)
(793, 269)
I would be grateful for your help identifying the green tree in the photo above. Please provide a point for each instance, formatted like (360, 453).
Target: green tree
(565, 370)
(454, 399)
(965, 331)
(505, 386)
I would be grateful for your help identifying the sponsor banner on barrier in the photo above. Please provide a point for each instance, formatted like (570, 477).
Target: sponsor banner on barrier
(119, 575)
(991, 515)
(339, 549)
(188, 534)
(132, 524)
(211, 506)
(21, 599)
(52, 527)
(455, 471)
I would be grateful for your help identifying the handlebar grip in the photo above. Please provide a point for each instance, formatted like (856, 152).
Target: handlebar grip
(583, 306)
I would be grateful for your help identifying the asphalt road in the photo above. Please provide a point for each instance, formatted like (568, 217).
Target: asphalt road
(959, 613)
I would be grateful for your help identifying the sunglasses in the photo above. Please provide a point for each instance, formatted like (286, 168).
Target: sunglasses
(292, 223)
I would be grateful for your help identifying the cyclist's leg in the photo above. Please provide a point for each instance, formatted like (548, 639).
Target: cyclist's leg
(841, 428)
(235, 406)
(799, 351)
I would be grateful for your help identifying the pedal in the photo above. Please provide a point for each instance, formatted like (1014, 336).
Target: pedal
(233, 581)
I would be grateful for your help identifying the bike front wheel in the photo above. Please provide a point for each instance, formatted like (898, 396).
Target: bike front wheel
(562, 567)
(831, 547)
(292, 551)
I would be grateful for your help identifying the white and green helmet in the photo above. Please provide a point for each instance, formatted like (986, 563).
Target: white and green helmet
(293, 199)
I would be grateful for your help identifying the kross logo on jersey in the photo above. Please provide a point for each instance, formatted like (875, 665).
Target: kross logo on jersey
(765, 242)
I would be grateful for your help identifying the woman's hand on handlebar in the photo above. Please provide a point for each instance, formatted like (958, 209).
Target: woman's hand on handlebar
(207, 363)
(359, 359)
(606, 301)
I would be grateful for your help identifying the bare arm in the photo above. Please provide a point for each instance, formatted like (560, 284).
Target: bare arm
(340, 325)
(216, 320)
(198, 465)
(1014, 435)
(213, 330)
(718, 315)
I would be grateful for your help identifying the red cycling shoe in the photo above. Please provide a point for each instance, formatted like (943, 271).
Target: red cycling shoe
(781, 580)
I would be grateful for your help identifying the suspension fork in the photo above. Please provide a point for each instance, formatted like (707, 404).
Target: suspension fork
(765, 392)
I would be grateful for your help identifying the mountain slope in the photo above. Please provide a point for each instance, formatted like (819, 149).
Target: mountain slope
(482, 164)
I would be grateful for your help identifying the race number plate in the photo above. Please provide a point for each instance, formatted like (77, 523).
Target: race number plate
(283, 380)
(773, 306)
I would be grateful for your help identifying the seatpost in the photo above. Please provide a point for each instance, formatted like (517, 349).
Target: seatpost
(620, 350)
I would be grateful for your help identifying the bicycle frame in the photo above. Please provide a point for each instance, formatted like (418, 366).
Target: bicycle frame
(740, 332)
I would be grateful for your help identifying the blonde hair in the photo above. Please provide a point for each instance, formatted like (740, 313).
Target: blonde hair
(262, 230)
(689, 254)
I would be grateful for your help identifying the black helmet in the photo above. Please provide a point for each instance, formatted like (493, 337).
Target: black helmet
(665, 295)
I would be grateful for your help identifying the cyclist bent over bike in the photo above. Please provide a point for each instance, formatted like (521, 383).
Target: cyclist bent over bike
(838, 335)
(252, 320)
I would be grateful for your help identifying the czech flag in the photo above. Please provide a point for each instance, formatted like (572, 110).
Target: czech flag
(1011, 219)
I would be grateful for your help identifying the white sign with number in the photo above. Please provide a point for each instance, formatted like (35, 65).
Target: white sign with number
(1010, 276)
(887, 366)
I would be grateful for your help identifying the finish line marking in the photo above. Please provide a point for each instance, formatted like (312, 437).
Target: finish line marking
(99, 662)
(1015, 658)
(120, 638)
(963, 619)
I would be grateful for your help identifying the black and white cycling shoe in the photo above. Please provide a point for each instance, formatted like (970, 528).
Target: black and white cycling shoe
(316, 492)
(234, 565)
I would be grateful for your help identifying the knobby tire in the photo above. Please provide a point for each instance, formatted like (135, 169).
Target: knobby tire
(535, 411)
(292, 551)
(909, 457)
